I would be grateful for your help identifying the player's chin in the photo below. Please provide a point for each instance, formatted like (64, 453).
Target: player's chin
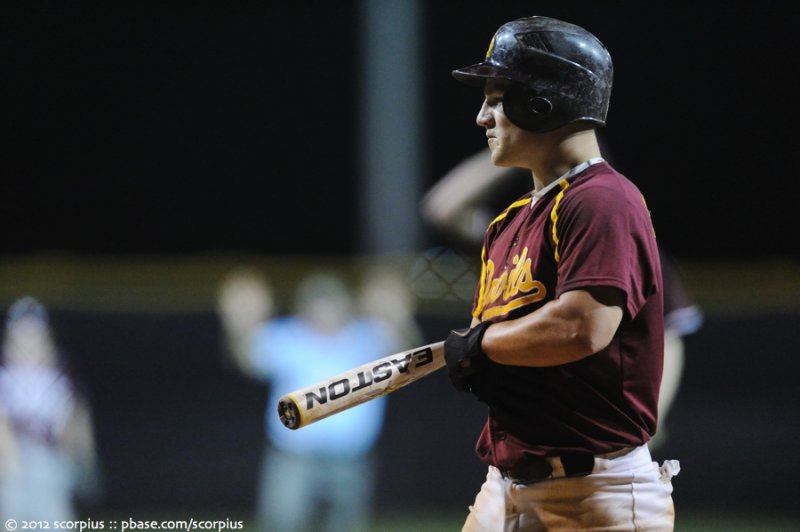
(498, 158)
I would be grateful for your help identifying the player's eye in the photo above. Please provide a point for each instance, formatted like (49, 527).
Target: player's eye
(492, 101)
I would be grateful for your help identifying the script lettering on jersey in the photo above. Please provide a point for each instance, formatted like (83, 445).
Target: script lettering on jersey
(368, 377)
(514, 288)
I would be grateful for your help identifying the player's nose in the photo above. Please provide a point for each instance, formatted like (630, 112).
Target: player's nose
(484, 118)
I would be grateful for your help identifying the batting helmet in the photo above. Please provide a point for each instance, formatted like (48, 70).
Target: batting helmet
(560, 73)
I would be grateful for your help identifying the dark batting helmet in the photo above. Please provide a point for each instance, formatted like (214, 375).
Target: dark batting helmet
(560, 73)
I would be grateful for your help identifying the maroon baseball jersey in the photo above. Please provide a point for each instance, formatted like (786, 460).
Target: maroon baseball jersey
(592, 229)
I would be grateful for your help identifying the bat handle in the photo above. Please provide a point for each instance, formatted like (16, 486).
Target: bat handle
(289, 413)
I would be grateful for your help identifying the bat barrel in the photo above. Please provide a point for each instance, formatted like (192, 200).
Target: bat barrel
(358, 385)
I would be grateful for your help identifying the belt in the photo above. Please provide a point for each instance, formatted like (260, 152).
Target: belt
(534, 468)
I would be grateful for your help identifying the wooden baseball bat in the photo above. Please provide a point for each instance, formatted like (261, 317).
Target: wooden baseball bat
(359, 385)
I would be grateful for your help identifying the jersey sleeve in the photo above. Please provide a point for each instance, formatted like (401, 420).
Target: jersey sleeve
(603, 236)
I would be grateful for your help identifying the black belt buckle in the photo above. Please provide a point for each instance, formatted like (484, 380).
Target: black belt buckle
(577, 465)
(529, 470)
(535, 468)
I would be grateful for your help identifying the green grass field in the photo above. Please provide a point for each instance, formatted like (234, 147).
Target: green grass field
(451, 522)
(684, 523)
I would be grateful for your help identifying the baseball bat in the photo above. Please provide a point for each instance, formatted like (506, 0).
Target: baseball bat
(358, 385)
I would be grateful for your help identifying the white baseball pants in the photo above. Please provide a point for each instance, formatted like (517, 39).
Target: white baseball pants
(624, 493)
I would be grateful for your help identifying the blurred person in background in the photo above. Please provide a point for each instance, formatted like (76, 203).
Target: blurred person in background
(47, 448)
(461, 205)
(384, 294)
(321, 477)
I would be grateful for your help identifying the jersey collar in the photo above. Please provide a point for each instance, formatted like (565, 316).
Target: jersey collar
(575, 170)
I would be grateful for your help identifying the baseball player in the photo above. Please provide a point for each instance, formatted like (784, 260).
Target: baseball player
(566, 343)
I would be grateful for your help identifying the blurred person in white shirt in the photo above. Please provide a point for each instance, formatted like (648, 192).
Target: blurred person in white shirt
(47, 448)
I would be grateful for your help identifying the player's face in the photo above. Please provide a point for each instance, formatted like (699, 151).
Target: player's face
(504, 138)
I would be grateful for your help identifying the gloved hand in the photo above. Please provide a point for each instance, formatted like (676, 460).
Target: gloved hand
(464, 356)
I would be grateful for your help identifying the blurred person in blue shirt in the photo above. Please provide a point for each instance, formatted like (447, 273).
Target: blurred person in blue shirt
(320, 477)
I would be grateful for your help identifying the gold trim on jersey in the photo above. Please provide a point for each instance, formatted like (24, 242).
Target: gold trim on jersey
(649, 215)
(554, 218)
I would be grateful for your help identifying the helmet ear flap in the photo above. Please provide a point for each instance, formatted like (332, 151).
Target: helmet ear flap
(526, 108)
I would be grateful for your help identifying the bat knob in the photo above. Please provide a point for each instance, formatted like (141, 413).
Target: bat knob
(289, 413)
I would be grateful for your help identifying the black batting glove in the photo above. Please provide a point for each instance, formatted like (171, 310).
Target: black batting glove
(464, 356)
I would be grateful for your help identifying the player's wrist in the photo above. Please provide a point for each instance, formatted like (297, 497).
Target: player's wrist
(464, 355)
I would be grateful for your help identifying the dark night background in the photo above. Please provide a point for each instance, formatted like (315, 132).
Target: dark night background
(189, 129)
(185, 131)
